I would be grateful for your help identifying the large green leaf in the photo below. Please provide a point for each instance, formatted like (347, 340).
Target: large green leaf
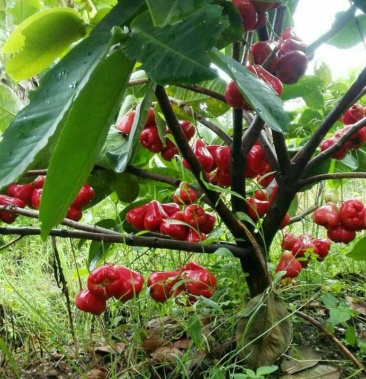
(40, 39)
(263, 99)
(10, 105)
(352, 34)
(176, 53)
(30, 137)
(358, 251)
(164, 14)
(22, 9)
(83, 136)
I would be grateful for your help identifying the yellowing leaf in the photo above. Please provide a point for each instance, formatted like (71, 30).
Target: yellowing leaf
(40, 39)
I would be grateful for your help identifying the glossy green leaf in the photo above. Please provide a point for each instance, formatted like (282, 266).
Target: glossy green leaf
(263, 99)
(163, 13)
(22, 9)
(358, 252)
(168, 55)
(36, 43)
(38, 124)
(351, 35)
(83, 136)
(10, 105)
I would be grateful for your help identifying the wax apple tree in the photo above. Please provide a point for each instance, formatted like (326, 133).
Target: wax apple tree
(189, 98)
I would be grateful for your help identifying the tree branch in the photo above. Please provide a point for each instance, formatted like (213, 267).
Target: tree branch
(319, 178)
(131, 240)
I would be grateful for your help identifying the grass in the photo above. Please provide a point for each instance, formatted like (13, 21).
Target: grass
(33, 314)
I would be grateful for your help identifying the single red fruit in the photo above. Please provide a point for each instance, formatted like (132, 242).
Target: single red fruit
(222, 158)
(84, 197)
(261, 51)
(104, 281)
(291, 44)
(87, 302)
(150, 121)
(353, 114)
(209, 224)
(328, 143)
(194, 215)
(188, 129)
(341, 234)
(170, 208)
(291, 66)
(36, 198)
(150, 139)
(327, 215)
(169, 151)
(136, 216)
(234, 97)
(267, 77)
(185, 194)
(323, 246)
(161, 283)
(247, 12)
(195, 237)
(6, 216)
(289, 264)
(285, 221)
(131, 283)
(38, 182)
(74, 213)
(352, 214)
(256, 160)
(175, 230)
(21, 191)
(126, 122)
(288, 241)
(203, 155)
(221, 178)
(154, 216)
(199, 282)
(256, 209)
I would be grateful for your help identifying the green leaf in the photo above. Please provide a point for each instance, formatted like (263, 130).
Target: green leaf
(194, 329)
(358, 252)
(10, 105)
(38, 124)
(36, 42)
(309, 88)
(164, 14)
(22, 9)
(82, 137)
(263, 99)
(329, 300)
(168, 55)
(339, 315)
(352, 34)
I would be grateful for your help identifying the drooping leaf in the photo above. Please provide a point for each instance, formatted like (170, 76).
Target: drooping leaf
(168, 54)
(89, 120)
(164, 14)
(36, 124)
(263, 99)
(318, 372)
(40, 39)
(22, 9)
(10, 105)
(263, 332)
(358, 252)
(352, 34)
(299, 359)
(194, 329)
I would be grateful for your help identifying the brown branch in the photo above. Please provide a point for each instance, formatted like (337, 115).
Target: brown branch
(343, 348)
(319, 178)
(146, 174)
(131, 240)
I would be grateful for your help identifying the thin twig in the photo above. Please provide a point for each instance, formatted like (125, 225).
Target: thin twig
(343, 348)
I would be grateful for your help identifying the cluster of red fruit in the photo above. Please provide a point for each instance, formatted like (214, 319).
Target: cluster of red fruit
(286, 58)
(342, 222)
(297, 253)
(254, 13)
(21, 195)
(190, 223)
(123, 284)
(195, 280)
(105, 282)
(216, 162)
(150, 138)
(353, 114)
